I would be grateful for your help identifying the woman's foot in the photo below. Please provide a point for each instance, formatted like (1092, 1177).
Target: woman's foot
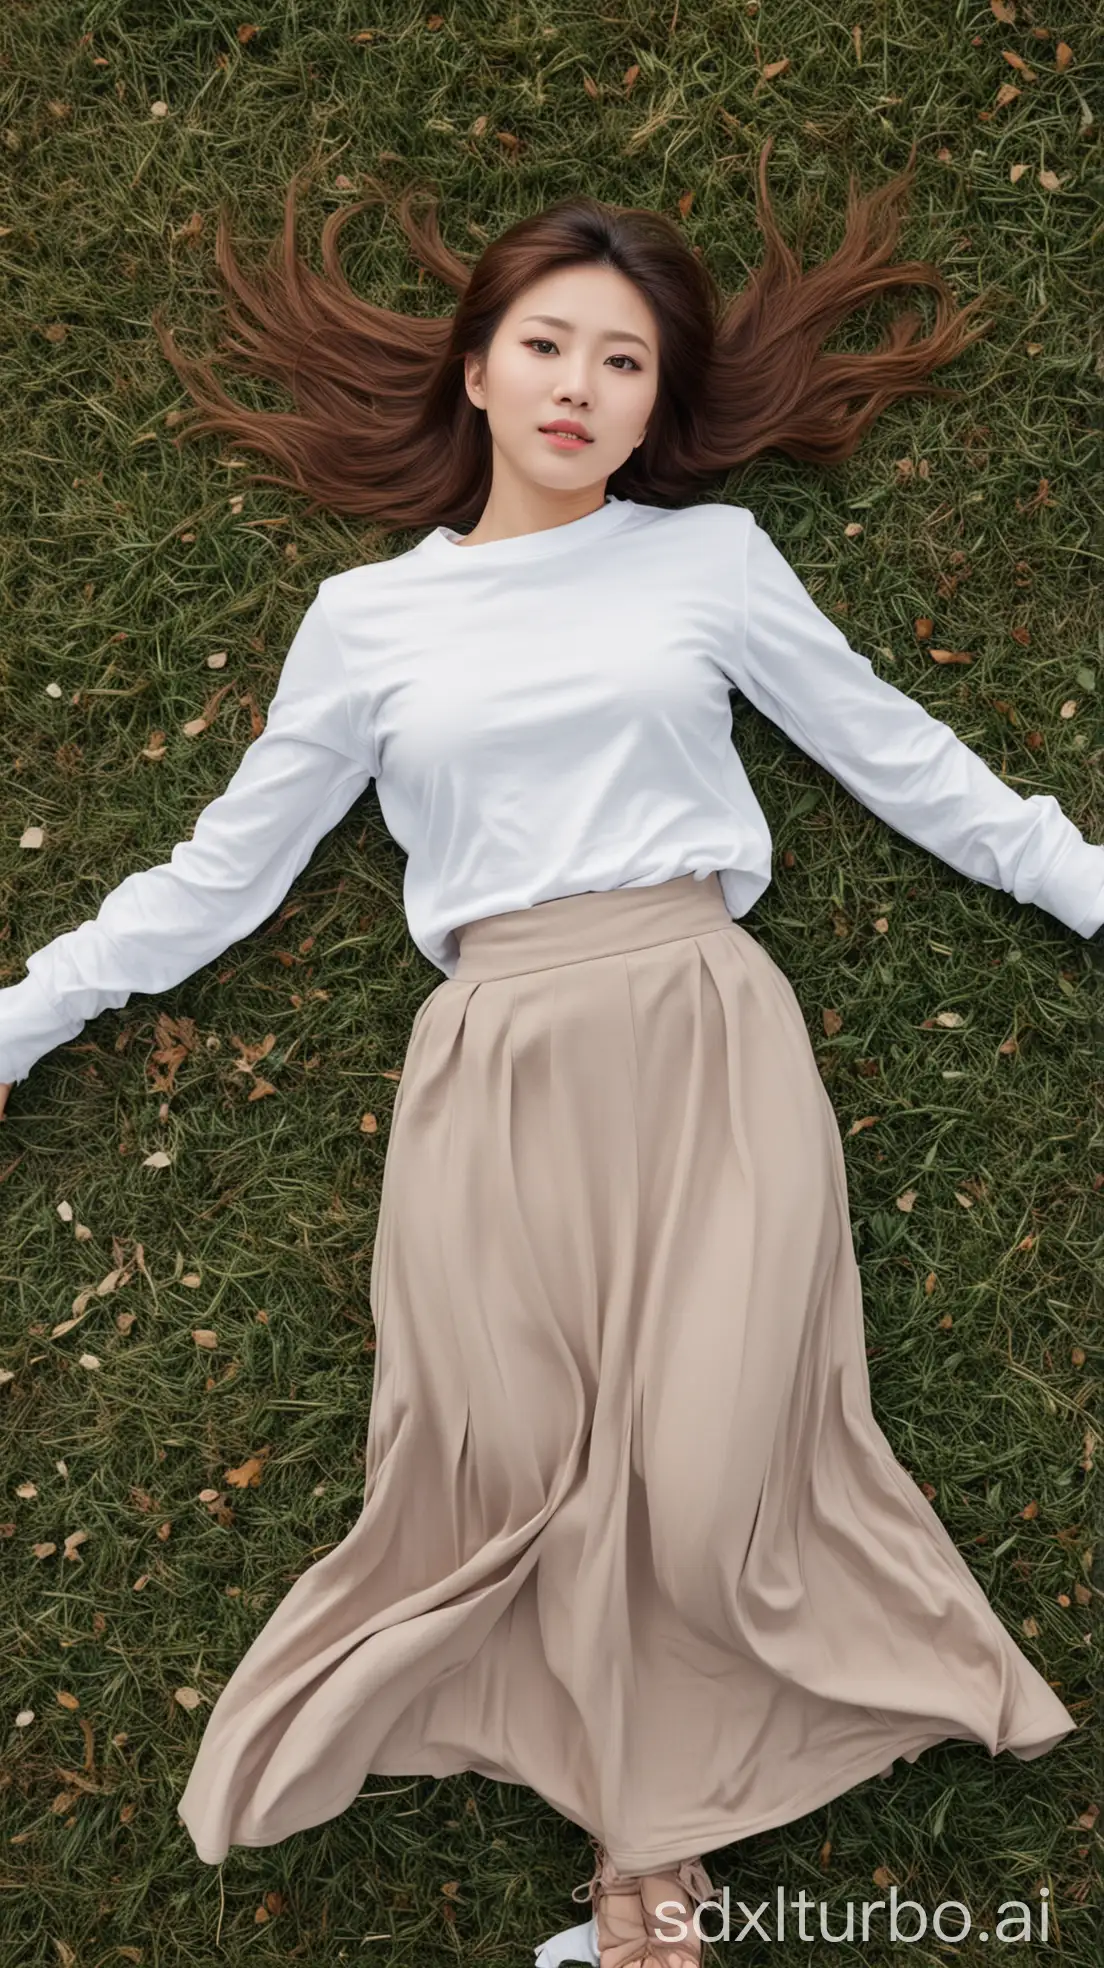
(668, 1897)
(618, 1914)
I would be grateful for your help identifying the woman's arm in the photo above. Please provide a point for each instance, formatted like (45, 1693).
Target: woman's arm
(908, 767)
(293, 785)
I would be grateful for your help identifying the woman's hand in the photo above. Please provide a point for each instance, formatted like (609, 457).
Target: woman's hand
(4, 1092)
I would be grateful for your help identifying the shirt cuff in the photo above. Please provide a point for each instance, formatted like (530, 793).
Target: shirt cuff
(1074, 888)
(30, 1025)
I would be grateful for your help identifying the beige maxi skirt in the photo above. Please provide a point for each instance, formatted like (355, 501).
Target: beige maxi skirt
(631, 1535)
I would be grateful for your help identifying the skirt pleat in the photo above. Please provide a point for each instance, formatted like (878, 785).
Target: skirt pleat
(631, 1535)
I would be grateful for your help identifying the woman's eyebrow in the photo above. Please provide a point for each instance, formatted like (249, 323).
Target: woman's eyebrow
(609, 335)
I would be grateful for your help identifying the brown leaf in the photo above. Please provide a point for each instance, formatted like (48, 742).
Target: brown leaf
(66, 1700)
(1063, 55)
(1004, 12)
(950, 655)
(775, 68)
(1018, 63)
(248, 1474)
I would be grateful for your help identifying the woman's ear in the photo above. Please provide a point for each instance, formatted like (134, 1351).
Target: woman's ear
(473, 381)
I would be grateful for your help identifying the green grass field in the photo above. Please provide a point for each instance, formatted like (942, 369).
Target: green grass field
(161, 1493)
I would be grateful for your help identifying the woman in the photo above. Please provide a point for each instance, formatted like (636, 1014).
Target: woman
(631, 1534)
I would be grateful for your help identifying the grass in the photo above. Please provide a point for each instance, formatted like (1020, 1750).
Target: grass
(982, 1301)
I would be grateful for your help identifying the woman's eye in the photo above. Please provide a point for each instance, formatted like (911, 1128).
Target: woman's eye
(543, 341)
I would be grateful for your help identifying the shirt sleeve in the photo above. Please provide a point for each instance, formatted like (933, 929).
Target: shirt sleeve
(907, 766)
(292, 786)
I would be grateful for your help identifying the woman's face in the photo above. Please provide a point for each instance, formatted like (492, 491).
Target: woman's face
(596, 363)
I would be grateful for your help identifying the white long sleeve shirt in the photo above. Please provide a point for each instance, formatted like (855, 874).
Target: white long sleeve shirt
(544, 715)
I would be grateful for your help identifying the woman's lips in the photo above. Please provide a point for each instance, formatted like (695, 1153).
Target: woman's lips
(565, 440)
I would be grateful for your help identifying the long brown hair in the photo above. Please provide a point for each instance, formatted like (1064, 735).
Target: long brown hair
(384, 426)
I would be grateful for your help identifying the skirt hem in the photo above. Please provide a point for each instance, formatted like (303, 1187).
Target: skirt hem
(715, 1836)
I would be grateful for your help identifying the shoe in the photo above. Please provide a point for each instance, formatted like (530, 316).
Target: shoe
(676, 1889)
(618, 1913)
